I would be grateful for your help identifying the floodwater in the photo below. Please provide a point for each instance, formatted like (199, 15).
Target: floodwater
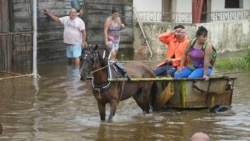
(60, 107)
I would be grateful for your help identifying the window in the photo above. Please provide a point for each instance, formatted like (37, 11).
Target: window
(233, 3)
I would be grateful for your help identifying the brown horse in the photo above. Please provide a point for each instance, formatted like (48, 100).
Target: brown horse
(113, 92)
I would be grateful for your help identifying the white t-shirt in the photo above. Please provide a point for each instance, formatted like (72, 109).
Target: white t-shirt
(72, 30)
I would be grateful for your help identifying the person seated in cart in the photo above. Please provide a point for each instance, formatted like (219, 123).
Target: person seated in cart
(199, 57)
(176, 42)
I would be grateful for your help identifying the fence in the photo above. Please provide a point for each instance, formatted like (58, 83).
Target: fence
(15, 54)
(206, 17)
(228, 16)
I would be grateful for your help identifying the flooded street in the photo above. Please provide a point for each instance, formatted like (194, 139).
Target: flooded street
(60, 107)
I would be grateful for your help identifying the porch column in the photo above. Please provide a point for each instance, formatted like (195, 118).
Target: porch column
(166, 10)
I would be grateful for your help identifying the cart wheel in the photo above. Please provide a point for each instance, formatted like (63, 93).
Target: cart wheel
(219, 109)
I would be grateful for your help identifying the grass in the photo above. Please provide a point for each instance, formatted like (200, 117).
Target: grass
(240, 63)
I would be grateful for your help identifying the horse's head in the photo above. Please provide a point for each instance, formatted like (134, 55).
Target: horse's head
(90, 59)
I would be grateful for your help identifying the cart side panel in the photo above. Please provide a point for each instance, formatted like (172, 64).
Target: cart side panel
(201, 94)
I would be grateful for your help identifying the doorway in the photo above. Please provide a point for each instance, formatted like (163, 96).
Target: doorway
(199, 11)
(204, 12)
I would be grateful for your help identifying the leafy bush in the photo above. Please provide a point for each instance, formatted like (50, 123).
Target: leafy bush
(234, 63)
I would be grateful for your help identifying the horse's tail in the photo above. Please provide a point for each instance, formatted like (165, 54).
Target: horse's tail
(153, 94)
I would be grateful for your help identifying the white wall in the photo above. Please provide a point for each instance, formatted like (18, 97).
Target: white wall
(217, 5)
(183, 6)
(148, 5)
(246, 4)
(224, 36)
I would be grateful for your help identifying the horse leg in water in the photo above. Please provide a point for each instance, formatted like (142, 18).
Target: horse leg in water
(102, 111)
(142, 98)
(146, 94)
(113, 106)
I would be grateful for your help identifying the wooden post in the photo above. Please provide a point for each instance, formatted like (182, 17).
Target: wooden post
(166, 10)
(4, 22)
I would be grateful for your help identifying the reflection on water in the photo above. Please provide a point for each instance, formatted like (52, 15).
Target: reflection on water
(64, 109)
(72, 72)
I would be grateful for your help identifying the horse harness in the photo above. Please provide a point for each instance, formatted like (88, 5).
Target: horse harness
(106, 86)
(102, 88)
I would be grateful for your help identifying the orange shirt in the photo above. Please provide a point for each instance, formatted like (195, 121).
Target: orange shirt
(174, 48)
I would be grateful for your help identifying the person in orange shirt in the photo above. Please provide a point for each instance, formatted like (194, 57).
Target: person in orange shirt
(176, 41)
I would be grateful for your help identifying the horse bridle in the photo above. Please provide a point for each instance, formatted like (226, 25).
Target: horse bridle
(90, 62)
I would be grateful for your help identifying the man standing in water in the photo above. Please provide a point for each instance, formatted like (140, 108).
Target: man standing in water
(74, 35)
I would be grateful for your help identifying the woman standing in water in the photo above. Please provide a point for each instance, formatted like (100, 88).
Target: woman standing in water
(112, 28)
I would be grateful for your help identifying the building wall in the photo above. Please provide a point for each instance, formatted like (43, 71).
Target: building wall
(50, 33)
(4, 8)
(148, 5)
(246, 4)
(224, 36)
(96, 13)
(183, 6)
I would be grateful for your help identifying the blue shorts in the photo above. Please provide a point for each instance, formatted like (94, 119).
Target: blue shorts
(74, 51)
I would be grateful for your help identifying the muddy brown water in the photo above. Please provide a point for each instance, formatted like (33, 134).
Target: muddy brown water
(60, 107)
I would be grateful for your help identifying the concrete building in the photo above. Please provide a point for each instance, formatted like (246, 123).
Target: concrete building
(228, 22)
(183, 10)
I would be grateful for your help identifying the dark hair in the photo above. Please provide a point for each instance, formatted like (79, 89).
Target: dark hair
(201, 31)
(114, 10)
(179, 26)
